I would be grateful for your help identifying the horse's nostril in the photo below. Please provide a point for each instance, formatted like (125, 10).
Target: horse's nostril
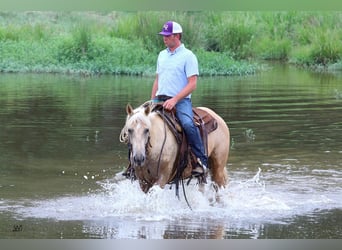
(139, 159)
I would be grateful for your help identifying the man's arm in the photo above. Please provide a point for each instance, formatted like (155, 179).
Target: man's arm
(188, 89)
(154, 87)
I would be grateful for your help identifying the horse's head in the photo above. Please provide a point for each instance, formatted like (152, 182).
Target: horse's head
(137, 131)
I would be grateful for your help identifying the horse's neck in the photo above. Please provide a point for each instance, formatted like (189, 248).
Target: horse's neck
(161, 138)
(157, 129)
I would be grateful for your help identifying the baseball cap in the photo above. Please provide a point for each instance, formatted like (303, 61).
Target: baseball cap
(170, 27)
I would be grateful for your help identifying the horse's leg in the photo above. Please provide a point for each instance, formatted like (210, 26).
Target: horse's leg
(162, 180)
(218, 168)
(144, 186)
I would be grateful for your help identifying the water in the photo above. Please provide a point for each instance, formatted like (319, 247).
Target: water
(60, 157)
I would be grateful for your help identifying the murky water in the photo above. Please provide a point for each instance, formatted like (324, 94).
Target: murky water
(60, 155)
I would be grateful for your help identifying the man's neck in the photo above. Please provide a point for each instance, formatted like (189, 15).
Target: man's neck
(175, 47)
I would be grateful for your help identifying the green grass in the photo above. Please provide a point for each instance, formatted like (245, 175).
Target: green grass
(226, 43)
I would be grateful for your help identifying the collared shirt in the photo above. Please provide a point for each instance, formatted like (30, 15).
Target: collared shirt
(174, 68)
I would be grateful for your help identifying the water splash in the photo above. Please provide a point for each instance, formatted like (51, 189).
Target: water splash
(119, 209)
(249, 134)
(249, 200)
(243, 200)
(338, 94)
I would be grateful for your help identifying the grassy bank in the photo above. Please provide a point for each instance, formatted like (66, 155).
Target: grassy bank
(226, 43)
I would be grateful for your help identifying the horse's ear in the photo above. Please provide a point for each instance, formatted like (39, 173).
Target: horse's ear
(147, 110)
(129, 109)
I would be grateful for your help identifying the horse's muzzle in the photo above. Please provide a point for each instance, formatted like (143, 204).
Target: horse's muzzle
(138, 160)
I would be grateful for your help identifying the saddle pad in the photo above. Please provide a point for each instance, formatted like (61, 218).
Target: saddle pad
(209, 122)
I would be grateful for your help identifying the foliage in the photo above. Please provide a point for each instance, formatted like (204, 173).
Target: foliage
(216, 63)
(228, 34)
(127, 42)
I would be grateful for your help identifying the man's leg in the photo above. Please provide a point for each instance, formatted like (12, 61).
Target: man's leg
(185, 116)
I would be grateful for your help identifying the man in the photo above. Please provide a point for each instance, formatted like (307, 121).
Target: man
(176, 79)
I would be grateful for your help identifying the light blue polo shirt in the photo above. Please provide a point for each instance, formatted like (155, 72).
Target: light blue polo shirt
(173, 69)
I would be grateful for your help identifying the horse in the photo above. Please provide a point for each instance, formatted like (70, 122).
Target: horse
(153, 148)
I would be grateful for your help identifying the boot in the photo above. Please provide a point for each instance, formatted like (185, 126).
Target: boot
(200, 169)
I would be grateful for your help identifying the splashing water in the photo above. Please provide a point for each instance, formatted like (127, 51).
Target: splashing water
(119, 209)
(242, 200)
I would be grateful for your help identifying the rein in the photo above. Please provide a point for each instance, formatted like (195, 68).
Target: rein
(164, 141)
(162, 148)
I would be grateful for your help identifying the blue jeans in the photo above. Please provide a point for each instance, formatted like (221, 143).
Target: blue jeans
(185, 116)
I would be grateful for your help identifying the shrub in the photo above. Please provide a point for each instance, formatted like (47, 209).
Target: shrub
(268, 49)
(327, 49)
(215, 63)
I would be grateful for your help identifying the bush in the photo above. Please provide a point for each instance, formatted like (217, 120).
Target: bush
(268, 49)
(327, 49)
(324, 50)
(127, 42)
(228, 35)
(215, 63)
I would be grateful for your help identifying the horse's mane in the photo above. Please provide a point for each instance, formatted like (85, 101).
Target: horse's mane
(138, 117)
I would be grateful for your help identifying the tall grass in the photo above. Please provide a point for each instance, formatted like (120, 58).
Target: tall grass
(227, 43)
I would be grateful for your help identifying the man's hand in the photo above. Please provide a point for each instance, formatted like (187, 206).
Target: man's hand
(170, 103)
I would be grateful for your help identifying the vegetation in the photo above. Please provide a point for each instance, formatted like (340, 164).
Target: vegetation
(226, 43)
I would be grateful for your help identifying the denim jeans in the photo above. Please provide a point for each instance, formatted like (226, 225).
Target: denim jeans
(185, 116)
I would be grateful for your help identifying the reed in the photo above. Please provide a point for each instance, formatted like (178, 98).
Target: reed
(227, 43)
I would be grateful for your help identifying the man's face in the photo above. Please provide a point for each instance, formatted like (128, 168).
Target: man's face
(171, 41)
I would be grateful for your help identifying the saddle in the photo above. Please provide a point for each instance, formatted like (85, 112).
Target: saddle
(202, 119)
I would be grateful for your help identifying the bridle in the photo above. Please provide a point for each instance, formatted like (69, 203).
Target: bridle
(130, 152)
(125, 138)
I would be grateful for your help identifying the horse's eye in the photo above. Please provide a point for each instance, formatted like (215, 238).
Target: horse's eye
(130, 131)
(146, 130)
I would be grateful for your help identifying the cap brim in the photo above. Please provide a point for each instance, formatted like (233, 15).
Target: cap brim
(163, 33)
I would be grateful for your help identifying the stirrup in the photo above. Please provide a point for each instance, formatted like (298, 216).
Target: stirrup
(200, 169)
(200, 172)
(197, 171)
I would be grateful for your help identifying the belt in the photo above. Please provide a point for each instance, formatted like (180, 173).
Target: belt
(162, 98)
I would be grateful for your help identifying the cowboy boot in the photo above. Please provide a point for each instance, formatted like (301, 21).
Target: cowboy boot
(200, 171)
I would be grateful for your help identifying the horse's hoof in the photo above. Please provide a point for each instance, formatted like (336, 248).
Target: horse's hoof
(202, 179)
(129, 175)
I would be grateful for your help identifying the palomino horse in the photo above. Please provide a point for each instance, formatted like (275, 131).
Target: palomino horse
(153, 148)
